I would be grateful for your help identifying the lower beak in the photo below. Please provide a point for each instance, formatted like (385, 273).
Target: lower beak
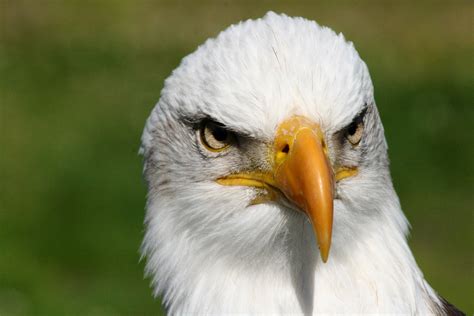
(302, 172)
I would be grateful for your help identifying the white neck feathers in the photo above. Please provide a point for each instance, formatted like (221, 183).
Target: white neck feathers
(375, 272)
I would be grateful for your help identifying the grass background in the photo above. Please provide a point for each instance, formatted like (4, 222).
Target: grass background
(79, 78)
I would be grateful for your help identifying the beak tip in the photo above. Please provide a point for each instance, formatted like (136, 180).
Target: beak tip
(324, 254)
(324, 241)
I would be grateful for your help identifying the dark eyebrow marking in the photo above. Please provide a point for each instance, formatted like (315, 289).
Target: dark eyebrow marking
(360, 116)
(195, 122)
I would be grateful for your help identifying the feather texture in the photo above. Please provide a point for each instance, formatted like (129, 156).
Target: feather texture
(207, 250)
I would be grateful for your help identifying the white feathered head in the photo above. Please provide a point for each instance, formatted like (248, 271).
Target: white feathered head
(263, 134)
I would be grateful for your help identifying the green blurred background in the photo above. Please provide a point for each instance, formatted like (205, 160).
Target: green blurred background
(79, 78)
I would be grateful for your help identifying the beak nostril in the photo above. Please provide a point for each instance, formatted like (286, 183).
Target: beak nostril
(282, 153)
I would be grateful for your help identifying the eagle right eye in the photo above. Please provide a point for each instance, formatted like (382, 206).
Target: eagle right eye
(215, 137)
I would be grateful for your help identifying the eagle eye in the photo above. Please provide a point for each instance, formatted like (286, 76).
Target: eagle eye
(355, 130)
(215, 137)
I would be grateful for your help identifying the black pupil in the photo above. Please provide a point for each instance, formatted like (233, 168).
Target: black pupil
(352, 128)
(219, 134)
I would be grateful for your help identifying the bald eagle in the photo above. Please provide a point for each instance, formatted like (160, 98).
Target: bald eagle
(269, 188)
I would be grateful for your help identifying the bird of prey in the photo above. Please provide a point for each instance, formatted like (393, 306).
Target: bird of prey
(269, 188)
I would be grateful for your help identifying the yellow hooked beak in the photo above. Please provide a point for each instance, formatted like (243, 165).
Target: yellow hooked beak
(304, 175)
(302, 172)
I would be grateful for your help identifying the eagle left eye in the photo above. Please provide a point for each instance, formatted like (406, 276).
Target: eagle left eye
(354, 131)
(215, 137)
